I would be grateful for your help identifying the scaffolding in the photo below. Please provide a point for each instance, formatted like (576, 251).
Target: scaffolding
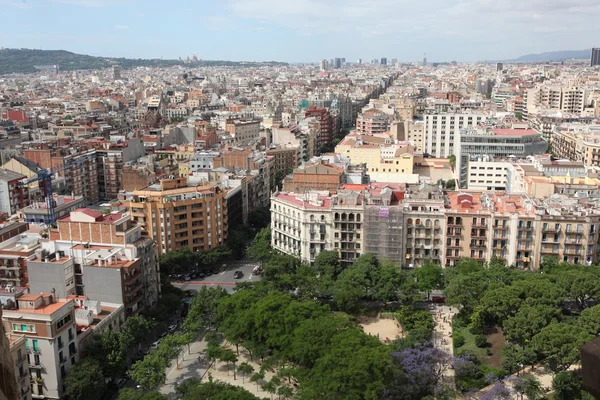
(383, 232)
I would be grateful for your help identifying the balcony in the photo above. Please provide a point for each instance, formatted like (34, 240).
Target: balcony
(550, 251)
(37, 365)
(131, 279)
(34, 351)
(525, 228)
(574, 232)
(551, 228)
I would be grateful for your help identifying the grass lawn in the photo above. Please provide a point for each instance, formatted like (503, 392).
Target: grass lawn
(495, 342)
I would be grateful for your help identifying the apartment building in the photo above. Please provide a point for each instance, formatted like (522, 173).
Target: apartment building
(243, 131)
(37, 211)
(564, 98)
(9, 388)
(293, 136)
(304, 225)
(111, 158)
(443, 130)
(497, 143)
(424, 217)
(13, 195)
(326, 124)
(486, 173)
(386, 163)
(86, 249)
(578, 142)
(176, 215)
(18, 352)
(373, 121)
(410, 131)
(14, 255)
(79, 167)
(321, 176)
(48, 325)
(285, 158)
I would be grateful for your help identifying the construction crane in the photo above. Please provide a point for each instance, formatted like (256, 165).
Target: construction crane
(44, 177)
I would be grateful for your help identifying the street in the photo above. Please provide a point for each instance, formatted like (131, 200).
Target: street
(225, 278)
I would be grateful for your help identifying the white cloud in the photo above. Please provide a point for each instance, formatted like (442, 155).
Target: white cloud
(120, 27)
(492, 26)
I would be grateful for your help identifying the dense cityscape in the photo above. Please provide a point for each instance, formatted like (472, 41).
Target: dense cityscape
(330, 230)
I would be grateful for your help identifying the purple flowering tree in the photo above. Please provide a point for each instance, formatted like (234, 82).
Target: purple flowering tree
(419, 372)
(498, 392)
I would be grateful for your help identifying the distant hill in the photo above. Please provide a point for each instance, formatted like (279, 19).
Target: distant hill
(26, 60)
(555, 56)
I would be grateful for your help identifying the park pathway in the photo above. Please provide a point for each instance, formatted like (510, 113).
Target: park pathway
(442, 316)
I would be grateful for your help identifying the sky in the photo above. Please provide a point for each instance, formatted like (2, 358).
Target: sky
(302, 30)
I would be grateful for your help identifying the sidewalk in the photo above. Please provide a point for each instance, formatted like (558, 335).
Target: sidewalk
(190, 367)
(442, 316)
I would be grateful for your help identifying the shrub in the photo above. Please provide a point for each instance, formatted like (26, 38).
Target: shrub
(458, 340)
(480, 341)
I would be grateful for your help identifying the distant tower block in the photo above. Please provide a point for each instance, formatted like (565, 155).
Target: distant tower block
(116, 72)
(425, 60)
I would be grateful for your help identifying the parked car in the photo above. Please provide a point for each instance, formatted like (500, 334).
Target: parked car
(438, 299)
(238, 275)
(187, 278)
(172, 328)
(193, 276)
(257, 270)
(121, 382)
(155, 345)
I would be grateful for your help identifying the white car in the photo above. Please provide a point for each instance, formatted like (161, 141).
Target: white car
(172, 328)
(155, 345)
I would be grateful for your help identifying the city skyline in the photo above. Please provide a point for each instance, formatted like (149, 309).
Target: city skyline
(305, 32)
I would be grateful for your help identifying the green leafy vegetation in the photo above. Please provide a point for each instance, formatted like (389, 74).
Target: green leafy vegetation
(25, 61)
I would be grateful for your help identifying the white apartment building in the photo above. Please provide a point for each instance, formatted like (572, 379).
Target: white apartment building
(484, 173)
(442, 131)
(203, 160)
(567, 99)
(306, 224)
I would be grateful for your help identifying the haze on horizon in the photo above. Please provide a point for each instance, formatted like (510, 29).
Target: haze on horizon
(307, 31)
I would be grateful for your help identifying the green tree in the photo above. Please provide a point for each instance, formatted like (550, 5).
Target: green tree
(150, 371)
(513, 357)
(109, 350)
(228, 356)
(328, 263)
(218, 391)
(388, 281)
(430, 276)
(560, 344)
(202, 312)
(85, 381)
(528, 321)
(528, 385)
(452, 161)
(566, 386)
(581, 285)
(355, 366)
(257, 377)
(451, 184)
(590, 319)
(465, 291)
(245, 369)
(134, 331)
(132, 394)
(269, 387)
(261, 247)
(285, 392)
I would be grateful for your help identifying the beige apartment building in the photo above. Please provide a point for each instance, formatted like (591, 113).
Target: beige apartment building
(18, 353)
(577, 142)
(411, 225)
(177, 215)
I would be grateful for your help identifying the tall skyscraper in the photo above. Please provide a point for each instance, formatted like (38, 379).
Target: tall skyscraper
(425, 60)
(394, 62)
(499, 67)
(324, 65)
(338, 63)
(595, 59)
(359, 61)
(383, 61)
